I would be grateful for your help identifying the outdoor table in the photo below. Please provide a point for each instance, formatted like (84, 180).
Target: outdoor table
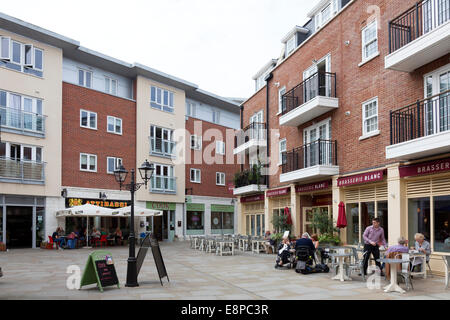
(242, 242)
(393, 286)
(423, 267)
(210, 245)
(341, 256)
(222, 243)
(256, 245)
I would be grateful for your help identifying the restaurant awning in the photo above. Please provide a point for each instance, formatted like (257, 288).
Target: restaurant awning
(89, 210)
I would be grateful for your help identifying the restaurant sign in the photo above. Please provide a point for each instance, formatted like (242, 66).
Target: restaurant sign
(72, 202)
(424, 168)
(222, 208)
(278, 192)
(259, 197)
(361, 178)
(313, 186)
(195, 207)
(161, 205)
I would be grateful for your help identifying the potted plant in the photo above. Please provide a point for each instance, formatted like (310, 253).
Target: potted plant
(324, 224)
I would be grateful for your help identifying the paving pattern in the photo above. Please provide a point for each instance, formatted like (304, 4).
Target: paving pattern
(41, 274)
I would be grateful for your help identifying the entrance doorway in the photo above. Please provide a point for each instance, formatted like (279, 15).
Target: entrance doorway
(19, 225)
(308, 214)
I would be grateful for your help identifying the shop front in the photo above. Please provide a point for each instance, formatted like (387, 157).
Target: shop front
(22, 221)
(222, 219)
(163, 227)
(195, 219)
(252, 215)
(365, 196)
(279, 204)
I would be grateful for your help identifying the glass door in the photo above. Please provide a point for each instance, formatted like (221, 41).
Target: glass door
(307, 220)
(437, 109)
(311, 147)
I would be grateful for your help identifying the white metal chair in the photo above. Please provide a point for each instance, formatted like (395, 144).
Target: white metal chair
(405, 273)
(447, 269)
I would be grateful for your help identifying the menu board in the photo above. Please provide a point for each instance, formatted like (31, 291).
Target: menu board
(162, 272)
(106, 273)
(100, 270)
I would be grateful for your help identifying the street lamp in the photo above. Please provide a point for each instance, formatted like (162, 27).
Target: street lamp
(146, 172)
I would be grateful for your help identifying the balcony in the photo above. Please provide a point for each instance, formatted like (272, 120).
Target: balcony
(162, 148)
(163, 184)
(251, 138)
(249, 181)
(317, 159)
(310, 99)
(22, 122)
(421, 129)
(419, 36)
(21, 171)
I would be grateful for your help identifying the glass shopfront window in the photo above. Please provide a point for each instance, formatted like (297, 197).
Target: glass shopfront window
(195, 220)
(352, 223)
(40, 223)
(382, 214)
(441, 224)
(357, 223)
(418, 218)
(222, 222)
(254, 224)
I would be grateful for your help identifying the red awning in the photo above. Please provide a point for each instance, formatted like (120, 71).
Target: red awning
(342, 219)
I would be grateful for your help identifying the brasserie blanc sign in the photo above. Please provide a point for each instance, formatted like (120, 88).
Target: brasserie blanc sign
(361, 178)
(425, 168)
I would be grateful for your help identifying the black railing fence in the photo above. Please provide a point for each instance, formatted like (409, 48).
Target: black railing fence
(425, 117)
(420, 19)
(320, 152)
(319, 84)
(248, 177)
(254, 131)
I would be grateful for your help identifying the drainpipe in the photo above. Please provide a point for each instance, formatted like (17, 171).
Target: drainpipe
(267, 79)
(242, 127)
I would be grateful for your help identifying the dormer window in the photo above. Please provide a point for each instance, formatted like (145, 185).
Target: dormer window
(290, 45)
(326, 13)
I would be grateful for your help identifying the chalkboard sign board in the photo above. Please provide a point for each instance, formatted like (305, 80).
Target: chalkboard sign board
(100, 270)
(151, 242)
(145, 244)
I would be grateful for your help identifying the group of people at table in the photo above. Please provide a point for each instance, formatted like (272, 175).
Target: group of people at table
(373, 240)
(69, 241)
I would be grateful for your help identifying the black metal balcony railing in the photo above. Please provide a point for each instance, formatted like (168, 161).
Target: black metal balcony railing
(319, 84)
(420, 19)
(22, 120)
(249, 177)
(254, 131)
(423, 118)
(320, 152)
(22, 170)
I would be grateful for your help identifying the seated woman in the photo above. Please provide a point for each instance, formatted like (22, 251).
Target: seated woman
(283, 253)
(423, 246)
(268, 243)
(118, 236)
(58, 237)
(395, 252)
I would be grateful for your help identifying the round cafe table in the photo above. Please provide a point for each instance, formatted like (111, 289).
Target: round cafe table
(341, 256)
(393, 286)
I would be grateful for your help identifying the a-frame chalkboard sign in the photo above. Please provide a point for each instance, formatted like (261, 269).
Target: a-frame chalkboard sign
(151, 242)
(100, 270)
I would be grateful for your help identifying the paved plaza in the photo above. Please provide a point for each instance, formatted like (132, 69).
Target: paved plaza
(41, 274)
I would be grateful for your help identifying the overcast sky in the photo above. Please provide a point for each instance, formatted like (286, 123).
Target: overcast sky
(216, 44)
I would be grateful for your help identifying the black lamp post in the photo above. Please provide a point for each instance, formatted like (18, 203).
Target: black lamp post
(146, 172)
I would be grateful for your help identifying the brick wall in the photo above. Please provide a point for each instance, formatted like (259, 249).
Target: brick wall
(355, 84)
(208, 186)
(76, 140)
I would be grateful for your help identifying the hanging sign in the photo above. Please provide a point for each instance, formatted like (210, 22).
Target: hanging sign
(361, 178)
(100, 270)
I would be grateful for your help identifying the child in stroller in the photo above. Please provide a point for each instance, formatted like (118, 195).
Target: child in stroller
(284, 254)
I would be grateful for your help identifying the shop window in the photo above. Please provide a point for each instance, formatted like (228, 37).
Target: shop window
(352, 212)
(418, 218)
(194, 220)
(222, 221)
(441, 224)
(382, 214)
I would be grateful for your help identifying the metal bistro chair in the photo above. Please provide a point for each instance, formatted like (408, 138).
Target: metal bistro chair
(447, 269)
(405, 273)
(335, 262)
(356, 264)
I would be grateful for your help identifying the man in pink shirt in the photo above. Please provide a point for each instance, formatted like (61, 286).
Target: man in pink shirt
(373, 236)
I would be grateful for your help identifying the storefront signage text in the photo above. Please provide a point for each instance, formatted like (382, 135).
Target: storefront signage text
(425, 168)
(195, 206)
(72, 202)
(222, 208)
(252, 198)
(361, 178)
(161, 205)
(313, 186)
(278, 192)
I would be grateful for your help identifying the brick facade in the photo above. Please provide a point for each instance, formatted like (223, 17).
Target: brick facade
(76, 140)
(355, 84)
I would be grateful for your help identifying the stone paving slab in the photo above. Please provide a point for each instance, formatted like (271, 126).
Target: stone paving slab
(41, 274)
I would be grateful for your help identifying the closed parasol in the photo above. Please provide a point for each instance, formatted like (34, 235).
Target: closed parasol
(342, 219)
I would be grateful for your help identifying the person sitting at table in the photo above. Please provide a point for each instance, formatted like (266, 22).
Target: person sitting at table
(118, 236)
(268, 243)
(422, 246)
(315, 240)
(373, 237)
(58, 237)
(305, 240)
(395, 252)
(95, 234)
(283, 252)
(103, 232)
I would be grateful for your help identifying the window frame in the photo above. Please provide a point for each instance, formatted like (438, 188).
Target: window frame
(162, 106)
(280, 152)
(115, 164)
(364, 44)
(280, 99)
(89, 117)
(218, 149)
(215, 116)
(191, 109)
(364, 119)
(198, 142)
(290, 44)
(195, 175)
(8, 58)
(85, 71)
(88, 155)
(222, 177)
(114, 123)
(110, 82)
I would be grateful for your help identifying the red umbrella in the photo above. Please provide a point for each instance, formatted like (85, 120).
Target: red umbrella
(342, 219)
(288, 213)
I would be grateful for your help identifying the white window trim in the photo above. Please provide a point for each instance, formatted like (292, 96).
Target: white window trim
(110, 80)
(89, 116)
(195, 175)
(115, 163)
(34, 62)
(215, 116)
(280, 100)
(290, 45)
(366, 134)
(220, 174)
(88, 156)
(7, 58)
(218, 149)
(162, 105)
(198, 141)
(191, 109)
(279, 151)
(84, 78)
(363, 44)
(114, 120)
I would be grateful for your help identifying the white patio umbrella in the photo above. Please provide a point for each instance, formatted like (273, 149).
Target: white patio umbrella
(138, 212)
(86, 210)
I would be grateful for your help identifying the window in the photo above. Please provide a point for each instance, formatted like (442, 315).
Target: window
(281, 92)
(370, 117)
(16, 52)
(196, 142)
(161, 142)
(113, 164)
(85, 78)
(195, 220)
(191, 109)
(114, 125)
(220, 147)
(21, 57)
(110, 86)
(222, 221)
(195, 175)
(282, 148)
(290, 45)
(5, 52)
(220, 178)
(369, 41)
(161, 99)
(360, 216)
(38, 59)
(88, 119)
(88, 162)
(326, 14)
(29, 55)
(163, 180)
(215, 116)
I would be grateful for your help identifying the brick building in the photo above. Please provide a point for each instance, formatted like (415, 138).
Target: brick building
(327, 123)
